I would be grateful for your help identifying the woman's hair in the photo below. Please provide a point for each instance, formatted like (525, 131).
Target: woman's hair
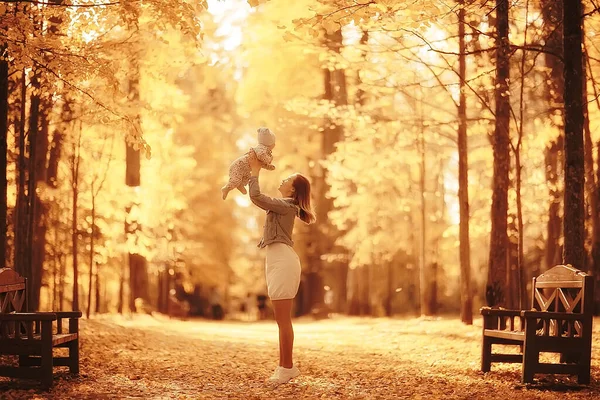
(302, 195)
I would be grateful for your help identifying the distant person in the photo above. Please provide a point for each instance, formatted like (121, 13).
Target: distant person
(261, 304)
(282, 267)
(215, 304)
(249, 307)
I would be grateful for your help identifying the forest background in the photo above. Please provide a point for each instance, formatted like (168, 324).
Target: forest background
(433, 133)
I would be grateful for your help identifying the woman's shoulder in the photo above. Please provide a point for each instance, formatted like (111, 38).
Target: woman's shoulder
(290, 201)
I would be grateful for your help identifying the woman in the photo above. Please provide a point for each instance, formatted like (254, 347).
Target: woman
(282, 263)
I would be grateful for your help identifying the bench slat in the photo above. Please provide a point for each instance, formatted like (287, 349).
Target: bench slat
(510, 335)
(21, 372)
(37, 361)
(559, 284)
(553, 344)
(544, 368)
(24, 345)
(16, 346)
(507, 358)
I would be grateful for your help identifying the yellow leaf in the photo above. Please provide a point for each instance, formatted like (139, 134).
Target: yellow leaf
(330, 26)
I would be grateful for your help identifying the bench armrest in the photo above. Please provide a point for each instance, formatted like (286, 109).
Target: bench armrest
(499, 312)
(67, 314)
(35, 316)
(552, 315)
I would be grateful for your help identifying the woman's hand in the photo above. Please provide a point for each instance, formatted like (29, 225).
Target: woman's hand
(255, 165)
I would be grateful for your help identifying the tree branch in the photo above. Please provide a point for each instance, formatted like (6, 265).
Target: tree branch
(60, 3)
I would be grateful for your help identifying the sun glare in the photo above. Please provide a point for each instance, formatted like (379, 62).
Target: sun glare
(228, 15)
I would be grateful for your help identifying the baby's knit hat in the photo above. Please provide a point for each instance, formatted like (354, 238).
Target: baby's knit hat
(265, 136)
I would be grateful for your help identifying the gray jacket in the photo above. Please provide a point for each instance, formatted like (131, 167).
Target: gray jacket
(281, 214)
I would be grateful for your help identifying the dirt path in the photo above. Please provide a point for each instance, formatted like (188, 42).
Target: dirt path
(343, 358)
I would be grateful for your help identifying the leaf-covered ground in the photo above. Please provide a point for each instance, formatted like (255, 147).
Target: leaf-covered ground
(341, 358)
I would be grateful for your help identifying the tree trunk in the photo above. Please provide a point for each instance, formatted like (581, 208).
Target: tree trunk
(138, 275)
(596, 243)
(574, 212)
(426, 278)
(353, 285)
(91, 271)
(512, 273)
(592, 263)
(97, 308)
(3, 153)
(466, 297)
(55, 269)
(553, 36)
(353, 282)
(34, 122)
(521, 283)
(40, 209)
(21, 209)
(325, 232)
(120, 302)
(496, 283)
(74, 230)
(552, 155)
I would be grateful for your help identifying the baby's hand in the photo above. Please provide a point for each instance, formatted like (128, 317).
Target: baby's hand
(269, 167)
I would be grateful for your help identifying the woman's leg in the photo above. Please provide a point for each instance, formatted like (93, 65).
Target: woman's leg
(283, 316)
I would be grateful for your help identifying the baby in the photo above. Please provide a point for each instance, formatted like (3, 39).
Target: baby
(239, 170)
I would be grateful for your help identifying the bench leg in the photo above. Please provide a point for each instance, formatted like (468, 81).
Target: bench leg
(583, 377)
(74, 357)
(47, 360)
(486, 355)
(47, 365)
(530, 360)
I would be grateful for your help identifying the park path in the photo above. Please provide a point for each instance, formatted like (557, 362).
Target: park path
(146, 357)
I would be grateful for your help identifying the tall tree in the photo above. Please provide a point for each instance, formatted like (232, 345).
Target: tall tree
(553, 37)
(75, 162)
(22, 205)
(358, 298)
(574, 214)
(496, 283)
(553, 155)
(138, 276)
(591, 195)
(335, 91)
(427, 272)
(3, 150)
(466, 298)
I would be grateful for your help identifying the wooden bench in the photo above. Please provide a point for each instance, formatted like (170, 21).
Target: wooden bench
(560, 322)
(33, 336)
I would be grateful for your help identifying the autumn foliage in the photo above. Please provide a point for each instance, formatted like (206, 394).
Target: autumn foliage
(367, 98)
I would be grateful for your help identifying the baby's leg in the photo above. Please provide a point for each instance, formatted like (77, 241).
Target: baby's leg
(245, 173)
(236, 178)
(233, 183)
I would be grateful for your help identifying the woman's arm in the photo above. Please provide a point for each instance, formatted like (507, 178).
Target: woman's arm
(265, 202)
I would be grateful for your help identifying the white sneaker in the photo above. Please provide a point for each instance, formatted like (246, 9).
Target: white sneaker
(275, 377)
(285, 374)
